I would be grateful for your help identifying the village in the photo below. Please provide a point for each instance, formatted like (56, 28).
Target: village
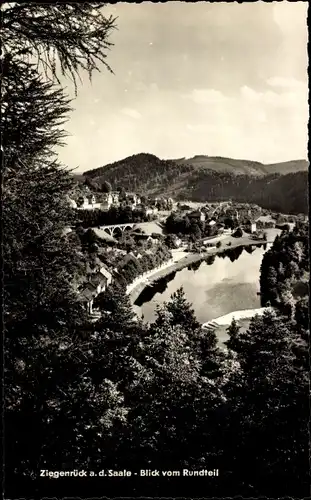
(169, 235)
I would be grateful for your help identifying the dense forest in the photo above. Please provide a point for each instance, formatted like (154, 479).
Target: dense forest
(285, 271)
(139, 173)
(119, 393)
(148, 174)
(280, 193)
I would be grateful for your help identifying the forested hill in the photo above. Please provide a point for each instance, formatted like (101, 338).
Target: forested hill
(145, 161)
(145, 173)
(246, 167)
(281, 193)
(141, 172)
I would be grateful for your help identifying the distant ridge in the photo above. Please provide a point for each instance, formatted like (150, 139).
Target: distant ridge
(279, 186)
(244, 167)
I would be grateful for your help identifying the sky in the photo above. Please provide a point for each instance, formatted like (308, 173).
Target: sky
(217, 79)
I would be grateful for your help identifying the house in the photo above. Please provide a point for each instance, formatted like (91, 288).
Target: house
(149, 227)
(129, 257)
(265, 221)
(132, 199)
(106, 274)
(250, 227)
(66, 230)
(176, 241)
(72, 203)
(139, 206)
(115, 197)
(97, 284)
(220, 227)
(99, 281)
(152, 211)
(101, 233)
(139, 235)
(87, 297)
(83, 203)
(197, 215)
(89, 203)
(107, 201)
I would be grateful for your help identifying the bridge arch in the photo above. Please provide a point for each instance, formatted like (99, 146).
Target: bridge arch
(117, 231)
(127, 227)
(118, 228)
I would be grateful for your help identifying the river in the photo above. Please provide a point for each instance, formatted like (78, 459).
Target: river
(215, 288)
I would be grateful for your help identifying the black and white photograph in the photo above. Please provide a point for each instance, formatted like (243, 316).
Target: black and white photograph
(155, 249)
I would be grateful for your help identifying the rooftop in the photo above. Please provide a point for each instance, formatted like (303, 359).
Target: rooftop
(105, 272)
(98, 279)
(101, 233)
(149, 227)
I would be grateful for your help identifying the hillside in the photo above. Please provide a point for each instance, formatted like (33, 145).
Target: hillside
(283, 193)
(211, 178)
(219, 164)
(140, 172)
(287, 167)
(243, 167)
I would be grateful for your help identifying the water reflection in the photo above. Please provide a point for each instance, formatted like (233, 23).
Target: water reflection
(159, 287)
(218, 285)
(215, 286)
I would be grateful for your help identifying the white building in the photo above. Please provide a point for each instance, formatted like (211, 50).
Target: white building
(106, 274)
(152, 211)
(115, 197)
(89, 203)
(133, 199)
(107, 201)
(72, 203)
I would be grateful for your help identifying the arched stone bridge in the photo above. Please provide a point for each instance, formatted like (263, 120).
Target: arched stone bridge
(115, 228)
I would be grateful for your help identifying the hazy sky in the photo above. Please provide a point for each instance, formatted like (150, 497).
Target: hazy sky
(198, 78)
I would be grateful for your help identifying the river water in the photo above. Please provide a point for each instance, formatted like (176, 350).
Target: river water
(223, 285)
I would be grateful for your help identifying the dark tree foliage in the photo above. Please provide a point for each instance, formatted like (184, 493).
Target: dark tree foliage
(267, 419)
(284, 267)
(65, 37)
(119, 393)
(115, 215)
(138, 172)
(33, 111)
(106, 187)
(180, 225)
(46, 328)
(131, 267)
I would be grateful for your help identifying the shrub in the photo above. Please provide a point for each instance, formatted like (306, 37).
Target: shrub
(238, 233)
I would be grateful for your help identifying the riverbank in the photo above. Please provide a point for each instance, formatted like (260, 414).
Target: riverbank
(243, 318)
(237, 315)
(190, 258)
